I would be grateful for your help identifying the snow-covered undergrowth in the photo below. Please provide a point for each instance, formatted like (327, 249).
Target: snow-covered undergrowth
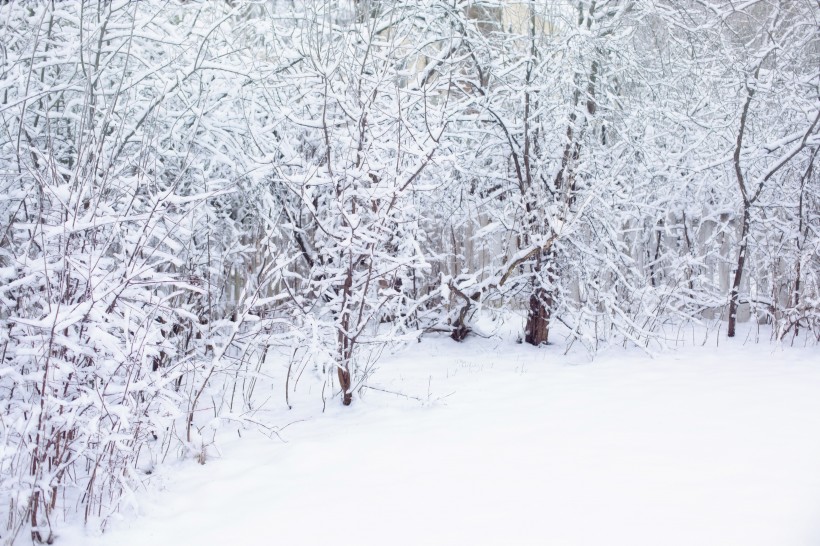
(186, 187)
(492, 442)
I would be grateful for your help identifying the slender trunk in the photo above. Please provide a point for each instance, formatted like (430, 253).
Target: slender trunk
(741, 260)
(747, 203)
(795, 299)
(804, 232)
(345, 341)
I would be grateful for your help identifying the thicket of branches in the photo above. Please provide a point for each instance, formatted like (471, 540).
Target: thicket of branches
(185, 185)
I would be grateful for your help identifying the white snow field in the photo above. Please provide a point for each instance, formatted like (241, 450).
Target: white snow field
(516, 445)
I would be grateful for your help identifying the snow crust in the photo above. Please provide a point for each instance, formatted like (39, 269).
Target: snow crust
(514, 445)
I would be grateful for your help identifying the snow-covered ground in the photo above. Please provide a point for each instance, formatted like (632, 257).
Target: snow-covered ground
(515, 445)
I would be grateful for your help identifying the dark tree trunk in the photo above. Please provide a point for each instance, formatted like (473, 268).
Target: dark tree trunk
(344, 382)
(460, 329)
(537, 330)
(344, 339)
(741, 260)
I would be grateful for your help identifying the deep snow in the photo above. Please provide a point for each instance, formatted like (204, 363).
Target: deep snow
(515, 445)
